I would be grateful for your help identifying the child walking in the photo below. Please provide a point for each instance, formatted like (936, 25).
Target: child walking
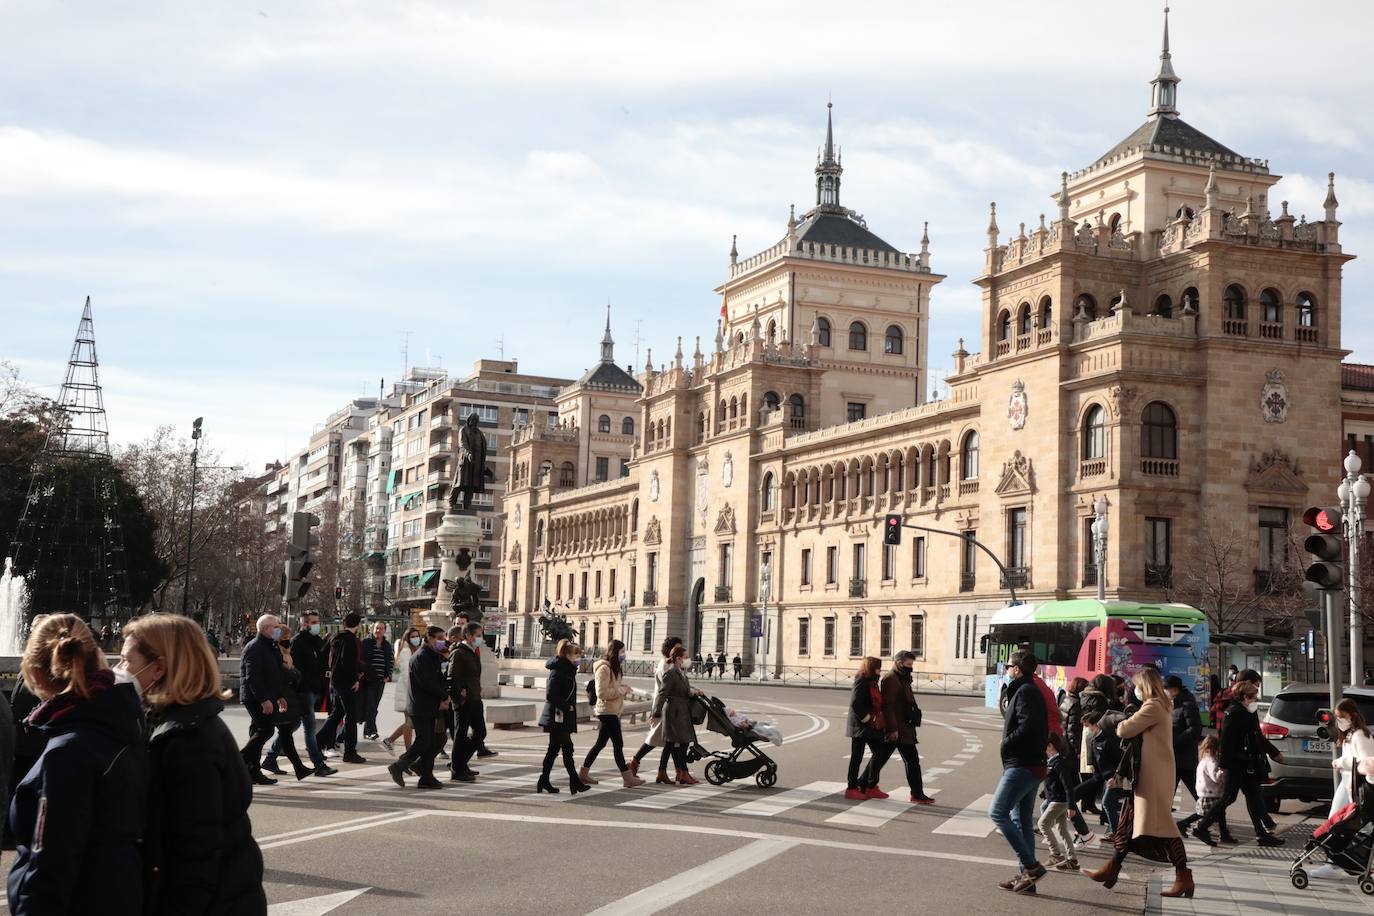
(1060, 783)
(1211, 787)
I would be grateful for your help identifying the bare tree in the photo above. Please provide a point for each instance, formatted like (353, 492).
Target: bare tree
(1217, 575)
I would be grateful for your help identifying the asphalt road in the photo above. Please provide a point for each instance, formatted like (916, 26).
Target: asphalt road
(356, 844)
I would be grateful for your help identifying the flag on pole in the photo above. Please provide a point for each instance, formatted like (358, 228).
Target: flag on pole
(724, 309)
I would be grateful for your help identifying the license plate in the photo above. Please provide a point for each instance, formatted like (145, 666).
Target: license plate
(1316, 745)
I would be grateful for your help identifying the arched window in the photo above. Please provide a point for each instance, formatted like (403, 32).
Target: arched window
(1307, 310)
(771, 401)
(1023, 319)
(1004, 325)
(1158, 431)
(968, 456)
(545, 469)
(892, 340)
(603, 424)
(1085, 305)
(701, 426)
(566, 474)
(1164, 306)
(539, 534)
(858, 336)
(634, 515)
(1234, 298)
(1046, 312)
(1190, 299)
(1184, 213)
(822, 332)
(1270, 306)
(772, 332)
(1114, 222)
(768, 492)
(739, 337)
(734, 408)
(796, 408)
(627, 426)
(1094, 433)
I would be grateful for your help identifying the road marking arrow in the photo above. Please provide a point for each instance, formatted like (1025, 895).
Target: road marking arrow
(315, 906)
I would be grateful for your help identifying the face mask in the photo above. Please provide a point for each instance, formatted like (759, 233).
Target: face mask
(622, 656)
(276, 632)
(1343, 724)
(315, 629)
(440, 645)
(1252, 706)
(415, 641)
(123, 675)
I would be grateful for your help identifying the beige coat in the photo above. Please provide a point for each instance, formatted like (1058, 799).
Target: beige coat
(655, 736)
(1154, 791)
(610, 697)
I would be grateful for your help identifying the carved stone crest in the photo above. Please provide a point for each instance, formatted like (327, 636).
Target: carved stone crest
(1017, 476)
(1274, 397)
(727, 470)
(725, 521)
(653, 534)
(1017, 405)
(1275, 472)
(653, 486)
(1120, 398)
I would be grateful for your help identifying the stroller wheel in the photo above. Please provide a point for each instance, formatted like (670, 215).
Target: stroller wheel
(1367, 885)
(1299, 879)
(714, 774)
(766, 777)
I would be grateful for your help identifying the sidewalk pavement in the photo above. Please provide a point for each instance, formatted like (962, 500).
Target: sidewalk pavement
(1247, 879)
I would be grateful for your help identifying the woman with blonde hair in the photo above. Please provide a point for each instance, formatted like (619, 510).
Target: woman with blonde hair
(1147, 825)
(78, 815)
(199, 852)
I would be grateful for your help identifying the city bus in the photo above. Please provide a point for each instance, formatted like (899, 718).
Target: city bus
(1085, 637)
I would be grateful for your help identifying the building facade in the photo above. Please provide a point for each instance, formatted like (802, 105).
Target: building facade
(1142, 348)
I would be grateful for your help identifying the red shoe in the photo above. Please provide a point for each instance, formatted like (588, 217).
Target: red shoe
(875, 792)
(856, 794)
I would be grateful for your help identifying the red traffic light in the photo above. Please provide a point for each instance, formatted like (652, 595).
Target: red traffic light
(1325, 519)
(892, 529)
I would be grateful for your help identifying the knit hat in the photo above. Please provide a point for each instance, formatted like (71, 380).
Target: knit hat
(1173, 682)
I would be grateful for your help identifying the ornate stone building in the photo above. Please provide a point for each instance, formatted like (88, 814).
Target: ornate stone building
(1141, 347)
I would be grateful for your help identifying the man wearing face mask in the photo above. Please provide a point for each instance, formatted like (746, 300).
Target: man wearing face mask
(428, 702)
(465, 689)
(307, 650)
(261, 687)
(346, 676)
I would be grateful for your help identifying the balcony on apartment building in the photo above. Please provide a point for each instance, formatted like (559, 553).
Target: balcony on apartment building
(858, 588)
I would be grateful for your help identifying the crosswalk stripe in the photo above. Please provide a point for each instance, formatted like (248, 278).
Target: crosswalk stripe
(875, 812)
(933, 772)
(675, 797)
(972, 821)
(772, 805)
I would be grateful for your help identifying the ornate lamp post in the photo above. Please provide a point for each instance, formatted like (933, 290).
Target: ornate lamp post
(1353, 491)
(191, 514)
(1099, 529)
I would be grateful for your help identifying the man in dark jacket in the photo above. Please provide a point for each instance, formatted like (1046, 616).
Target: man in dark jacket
(378, 659)
(1187, 734)
(346, 675)
(1025, 735)
(428, 701)
(307, 653)
(465, 690)
(262, 687)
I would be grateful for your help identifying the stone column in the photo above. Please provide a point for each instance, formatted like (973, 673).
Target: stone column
(458, 537)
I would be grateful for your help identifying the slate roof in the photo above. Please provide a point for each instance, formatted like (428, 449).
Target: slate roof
(608, 375)
(834, 229)
(1170, 132)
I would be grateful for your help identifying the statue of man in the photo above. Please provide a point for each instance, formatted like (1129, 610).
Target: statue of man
(472, 473)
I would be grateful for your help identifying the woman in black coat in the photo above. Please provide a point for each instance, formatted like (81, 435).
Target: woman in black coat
(559, 717)
(199, 852)
(77, 816)
(1243, 756)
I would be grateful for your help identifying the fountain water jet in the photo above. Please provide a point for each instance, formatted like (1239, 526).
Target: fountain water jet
(14, 602)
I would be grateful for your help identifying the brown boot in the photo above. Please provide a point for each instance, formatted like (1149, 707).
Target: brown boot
(1183, 884)
(663, 778)
(685, 778)
(634, 766)
(586, 777)
(1107, 874)
(631, 780)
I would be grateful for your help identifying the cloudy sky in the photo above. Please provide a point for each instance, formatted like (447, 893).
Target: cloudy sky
(267, 200)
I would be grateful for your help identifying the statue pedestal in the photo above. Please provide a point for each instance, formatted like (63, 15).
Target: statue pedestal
(455, 533)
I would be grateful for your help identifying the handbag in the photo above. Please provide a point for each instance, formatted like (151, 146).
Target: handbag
(292, 714)
(1128, 770)
(913, 716)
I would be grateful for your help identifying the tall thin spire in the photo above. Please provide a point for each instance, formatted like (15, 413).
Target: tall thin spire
(607, 344)
(1164, 87)
(828, 169)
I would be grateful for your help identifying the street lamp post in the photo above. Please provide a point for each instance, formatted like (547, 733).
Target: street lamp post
(1353, 492)
(1099, 529)
(191, 513)
(765, 589)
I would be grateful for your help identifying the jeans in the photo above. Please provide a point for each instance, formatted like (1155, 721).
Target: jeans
(312, 747)
(420, 757)
(610, 732)
(372, 699)
(345, 710)
(1111, 806)
(910, 758)
(1013, 811)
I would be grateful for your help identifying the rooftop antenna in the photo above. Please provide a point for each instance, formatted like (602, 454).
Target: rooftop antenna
(405, 353)
(638, 322)
(501, 347)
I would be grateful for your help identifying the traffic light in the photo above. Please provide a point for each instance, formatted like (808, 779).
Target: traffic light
(338, 593)
(892, 529)
(1327, 572)
(300, 556)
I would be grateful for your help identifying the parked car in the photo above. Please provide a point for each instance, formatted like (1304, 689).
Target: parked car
(1307, 745)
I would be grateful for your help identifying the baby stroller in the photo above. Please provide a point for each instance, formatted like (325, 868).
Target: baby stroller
(1345, 839)
(742, 761)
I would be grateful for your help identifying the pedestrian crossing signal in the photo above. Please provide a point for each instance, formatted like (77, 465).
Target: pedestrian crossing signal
(892, 529)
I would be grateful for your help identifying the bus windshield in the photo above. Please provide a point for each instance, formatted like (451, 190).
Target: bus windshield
(1054, 643)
